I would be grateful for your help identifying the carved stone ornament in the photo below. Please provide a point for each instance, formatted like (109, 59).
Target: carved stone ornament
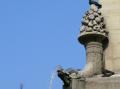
(94, 37)
(93, 22)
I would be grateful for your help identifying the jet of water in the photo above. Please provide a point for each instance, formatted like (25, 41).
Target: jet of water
(54, 73)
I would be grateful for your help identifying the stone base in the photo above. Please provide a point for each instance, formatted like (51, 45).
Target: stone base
(95, 83)
(103, 83)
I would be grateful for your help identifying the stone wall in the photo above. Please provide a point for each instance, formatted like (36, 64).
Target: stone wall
(96, 83)
(111, 12)
(103, 83)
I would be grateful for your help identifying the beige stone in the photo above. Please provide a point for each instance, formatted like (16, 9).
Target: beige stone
(111, 11)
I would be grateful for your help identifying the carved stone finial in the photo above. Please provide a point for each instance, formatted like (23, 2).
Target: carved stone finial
(93, 22)
(94, 37)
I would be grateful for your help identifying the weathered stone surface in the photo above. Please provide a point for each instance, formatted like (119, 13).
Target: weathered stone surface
(111, 11)
(96, 83)
(78, 83)
(103, 83)
(93, 22)
(94, 52)
(94, 37)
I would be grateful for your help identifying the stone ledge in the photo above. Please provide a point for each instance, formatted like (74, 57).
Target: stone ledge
(96, 83)
(103, 83)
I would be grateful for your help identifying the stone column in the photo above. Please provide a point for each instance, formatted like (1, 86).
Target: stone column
(94, 37)
(94, 54)
(111, 11)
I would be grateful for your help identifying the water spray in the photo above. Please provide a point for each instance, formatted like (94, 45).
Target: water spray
(54, 73)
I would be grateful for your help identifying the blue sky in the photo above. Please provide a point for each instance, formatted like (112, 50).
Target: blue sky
(35, 36)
